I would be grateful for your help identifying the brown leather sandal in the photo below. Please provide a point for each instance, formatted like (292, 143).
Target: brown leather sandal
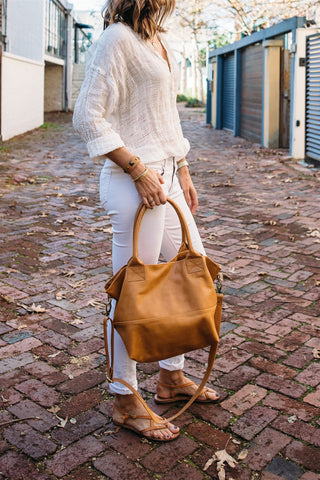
(152, 428)
(183, 396)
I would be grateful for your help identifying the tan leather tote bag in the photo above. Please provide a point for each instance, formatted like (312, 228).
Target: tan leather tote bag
(165, 309)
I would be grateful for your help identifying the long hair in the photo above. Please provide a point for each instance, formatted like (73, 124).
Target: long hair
(145, 17)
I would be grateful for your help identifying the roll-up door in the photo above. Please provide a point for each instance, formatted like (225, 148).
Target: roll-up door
(228, 99)
(251, 93)
(313, 98)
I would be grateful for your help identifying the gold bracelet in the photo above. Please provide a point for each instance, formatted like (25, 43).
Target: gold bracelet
(143, 174)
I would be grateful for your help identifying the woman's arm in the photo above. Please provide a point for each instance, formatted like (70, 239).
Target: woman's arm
(147, 181)
(187, 186)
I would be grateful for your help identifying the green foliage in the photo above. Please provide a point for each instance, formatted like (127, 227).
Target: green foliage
(47, 125)
(194, 102)
(182, 98)
(220, 40)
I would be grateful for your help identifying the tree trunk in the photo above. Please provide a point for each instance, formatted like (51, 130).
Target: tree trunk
(194, 74)
(183, 76)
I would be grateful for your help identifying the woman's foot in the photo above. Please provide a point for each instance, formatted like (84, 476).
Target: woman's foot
(131, 414)
(173, 386)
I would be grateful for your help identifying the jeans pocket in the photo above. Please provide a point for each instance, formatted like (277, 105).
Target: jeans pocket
(105, 180)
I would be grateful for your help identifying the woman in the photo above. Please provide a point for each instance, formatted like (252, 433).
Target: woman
(126, 111)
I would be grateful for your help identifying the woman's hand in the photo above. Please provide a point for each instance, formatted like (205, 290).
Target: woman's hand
(149, 188)
(187, 186)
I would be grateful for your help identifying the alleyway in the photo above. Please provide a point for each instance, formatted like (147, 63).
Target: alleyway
(259, 217)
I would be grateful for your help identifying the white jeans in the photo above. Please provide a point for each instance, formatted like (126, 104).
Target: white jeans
(160, 232)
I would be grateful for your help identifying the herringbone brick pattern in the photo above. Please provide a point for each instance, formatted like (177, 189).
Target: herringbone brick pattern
(259, 217)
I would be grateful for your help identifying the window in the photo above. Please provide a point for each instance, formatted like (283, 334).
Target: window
(55, 28)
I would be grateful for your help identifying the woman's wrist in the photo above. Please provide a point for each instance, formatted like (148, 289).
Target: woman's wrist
(138, 169)
(182, 163)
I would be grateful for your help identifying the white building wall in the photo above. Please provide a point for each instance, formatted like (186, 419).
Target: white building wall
(22, 82)
(25, 28)
(299, 104)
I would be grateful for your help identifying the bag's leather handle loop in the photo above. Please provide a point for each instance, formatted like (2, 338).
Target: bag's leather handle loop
(186, 239)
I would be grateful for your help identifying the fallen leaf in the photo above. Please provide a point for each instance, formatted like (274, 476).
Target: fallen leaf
(12, 270)
(212, 236)
(82, 199)
(209, 463)
(243, 454)
(225, 184)
(116, 430)
(221, 471)
(68, 273)
(54, 355)
(37, 308)
(60, 296)
(33, 308)
(77, 321)
(6, 298)
(54, 409)
(253, 246)
(262, 273)
(292, 419)
(73, 421)
(270, 222)
(314, 233)
(63, 422)
(223, 456)
(78, 284)
(95, 303)
(316, 352)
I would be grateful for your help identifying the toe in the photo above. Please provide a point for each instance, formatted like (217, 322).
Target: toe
(173, 428)
(213, 395)
(162, 434)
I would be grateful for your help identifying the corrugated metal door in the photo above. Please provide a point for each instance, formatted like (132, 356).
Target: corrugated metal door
(313, 98)
(251, 93)
(228, 99)
(285, 89)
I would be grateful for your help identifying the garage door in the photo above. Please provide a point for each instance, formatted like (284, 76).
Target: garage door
(251, 93)
(313, 98)
(228, 99)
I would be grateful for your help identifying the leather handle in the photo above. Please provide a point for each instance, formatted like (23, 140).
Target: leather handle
(186, 239)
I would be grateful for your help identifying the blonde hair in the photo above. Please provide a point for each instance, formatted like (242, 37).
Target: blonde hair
(143, 16)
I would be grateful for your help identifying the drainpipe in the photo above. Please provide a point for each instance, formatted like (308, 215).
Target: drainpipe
(3, 47)
(68, 60)
(209, 81)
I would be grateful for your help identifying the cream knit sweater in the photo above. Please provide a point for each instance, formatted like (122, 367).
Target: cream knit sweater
(128, 98)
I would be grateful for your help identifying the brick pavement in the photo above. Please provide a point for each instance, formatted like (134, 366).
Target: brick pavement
(259, 217)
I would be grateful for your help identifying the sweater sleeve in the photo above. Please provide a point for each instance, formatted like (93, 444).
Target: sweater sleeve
(98, 97)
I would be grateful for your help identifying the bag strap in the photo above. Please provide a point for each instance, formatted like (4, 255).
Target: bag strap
(110, 363)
